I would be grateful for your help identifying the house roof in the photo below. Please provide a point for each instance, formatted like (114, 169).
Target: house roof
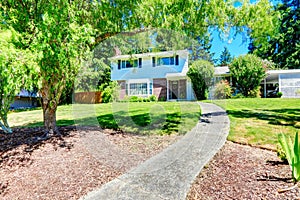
(222, 71)
(152, 54)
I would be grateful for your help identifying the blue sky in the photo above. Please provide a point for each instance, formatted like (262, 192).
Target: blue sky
(236, 46)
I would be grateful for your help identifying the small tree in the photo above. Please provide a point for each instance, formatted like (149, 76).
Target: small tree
(247, 72)
(225, 57)
(201, 73)
(13, 75)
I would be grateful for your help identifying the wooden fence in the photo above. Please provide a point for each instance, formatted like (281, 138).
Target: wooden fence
(87, 97)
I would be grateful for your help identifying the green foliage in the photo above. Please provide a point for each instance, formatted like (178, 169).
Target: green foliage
(255, 93)
(134, 99)
(247, 72)
(225, 57)
(15, 72)
(223, 90)
(153, 98)
(292, 153)
(61, 32)
(92, 74)
(283, 47)
(201, 73)
(279, 94)
(110, 92)
(238, 96)
(281, 154)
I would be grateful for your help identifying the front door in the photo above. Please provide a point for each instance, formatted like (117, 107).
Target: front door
(174, 89)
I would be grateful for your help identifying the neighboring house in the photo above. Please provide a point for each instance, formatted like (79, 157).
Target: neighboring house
(285, 81)
(26, 99)
(162, 74)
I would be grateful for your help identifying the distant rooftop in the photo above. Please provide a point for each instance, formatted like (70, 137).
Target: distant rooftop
(221, 71)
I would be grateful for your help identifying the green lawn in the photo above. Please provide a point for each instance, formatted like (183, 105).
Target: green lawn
(259, 121)
(140, 117)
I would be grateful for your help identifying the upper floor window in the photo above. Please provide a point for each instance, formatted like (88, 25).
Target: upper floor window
(122, 64)
(165, 61)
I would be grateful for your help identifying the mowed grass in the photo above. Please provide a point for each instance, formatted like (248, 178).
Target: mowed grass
(259, 121)
(140, 117)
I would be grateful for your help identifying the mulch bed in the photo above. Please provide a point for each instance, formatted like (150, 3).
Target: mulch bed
(68, 166)
(78, 161)
(244, 172)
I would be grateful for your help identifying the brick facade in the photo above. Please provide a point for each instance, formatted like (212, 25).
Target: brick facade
(160, 88)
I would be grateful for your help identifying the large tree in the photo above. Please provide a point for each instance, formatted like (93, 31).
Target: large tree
(284, 46)
(61, 31)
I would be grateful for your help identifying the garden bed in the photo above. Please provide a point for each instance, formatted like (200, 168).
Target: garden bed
(244, 172)
(69, 166)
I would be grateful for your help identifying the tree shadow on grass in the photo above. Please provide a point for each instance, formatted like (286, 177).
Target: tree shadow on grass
(283, 117)
(167, 123)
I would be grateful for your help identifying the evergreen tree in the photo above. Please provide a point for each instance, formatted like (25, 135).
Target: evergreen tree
(225, 57)
(284, 46)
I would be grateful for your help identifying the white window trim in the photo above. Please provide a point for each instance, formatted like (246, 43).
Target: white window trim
(148, 81)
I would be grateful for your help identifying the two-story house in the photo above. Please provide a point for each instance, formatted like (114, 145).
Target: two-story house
(162, 74)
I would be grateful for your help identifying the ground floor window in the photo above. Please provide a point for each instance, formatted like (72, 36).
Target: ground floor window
(138, 89)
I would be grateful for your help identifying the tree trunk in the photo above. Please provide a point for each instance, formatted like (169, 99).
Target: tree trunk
(49, 104)
(49, 115)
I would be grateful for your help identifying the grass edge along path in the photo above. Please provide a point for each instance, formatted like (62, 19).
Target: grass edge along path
(258, 121)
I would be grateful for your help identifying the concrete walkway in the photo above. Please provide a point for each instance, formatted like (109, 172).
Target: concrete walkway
(170, 174)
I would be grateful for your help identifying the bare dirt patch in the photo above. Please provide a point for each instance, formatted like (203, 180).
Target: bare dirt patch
(243, 172)
(70, 165)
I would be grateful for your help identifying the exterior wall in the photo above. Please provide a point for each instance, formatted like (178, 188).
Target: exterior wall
(24, 102)
(147, 70)
(122, 89)
(160, 88)
(289, 85)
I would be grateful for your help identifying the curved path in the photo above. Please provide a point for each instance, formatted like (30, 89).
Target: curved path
(170, 174)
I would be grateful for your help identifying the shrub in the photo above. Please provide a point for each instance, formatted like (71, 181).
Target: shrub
(255, 93)
(223, 90)
(110, 92)
(247, 72)
(133, 99)
(201, 73)
(162, 99)
(279, 94)
(238, 96)
(153, 98)
(281, 154)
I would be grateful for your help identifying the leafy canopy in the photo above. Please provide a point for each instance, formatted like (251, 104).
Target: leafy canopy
(247, 72)
(201, 73)
(15, 73)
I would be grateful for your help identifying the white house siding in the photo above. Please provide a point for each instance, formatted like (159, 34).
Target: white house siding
(289, 85)
(146, 71)
(156, 77)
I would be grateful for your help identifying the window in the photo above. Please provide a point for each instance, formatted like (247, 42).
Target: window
(150, 88)
(119, 64)
(138, 89)
(163, 61)
(140, 62)
(176, 60)
(153, 62)
(128, 63)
